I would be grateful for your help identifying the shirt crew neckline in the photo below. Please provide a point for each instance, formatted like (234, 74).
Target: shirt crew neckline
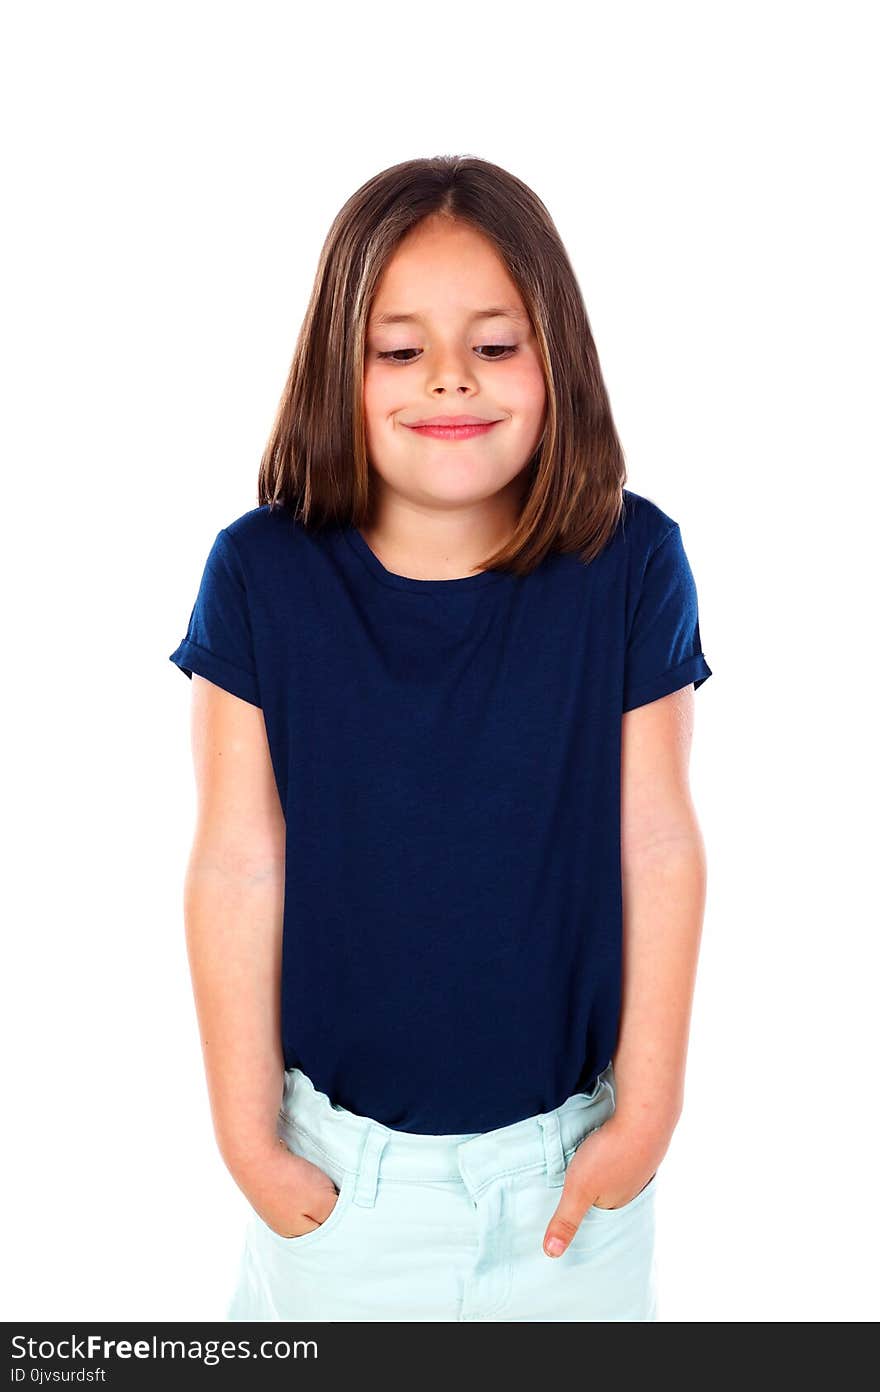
(456, 585)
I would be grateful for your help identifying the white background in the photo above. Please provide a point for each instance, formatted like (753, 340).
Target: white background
(170, 173)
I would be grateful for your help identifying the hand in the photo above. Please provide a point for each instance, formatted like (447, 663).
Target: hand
(606, 1171)
(290, 1194)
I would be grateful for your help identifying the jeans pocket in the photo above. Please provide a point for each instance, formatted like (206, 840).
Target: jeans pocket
(300, 1143)
(645, 1193)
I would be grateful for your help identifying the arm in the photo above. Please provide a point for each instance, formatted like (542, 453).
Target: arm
(233, 905)
(233, 910)
(664, 887)
(664, 878)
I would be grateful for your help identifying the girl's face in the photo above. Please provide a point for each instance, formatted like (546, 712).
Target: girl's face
(445, 356)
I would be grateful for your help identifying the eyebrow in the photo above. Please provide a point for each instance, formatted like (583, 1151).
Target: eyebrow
(493, 312)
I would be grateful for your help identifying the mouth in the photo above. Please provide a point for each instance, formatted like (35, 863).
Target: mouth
(453, 427)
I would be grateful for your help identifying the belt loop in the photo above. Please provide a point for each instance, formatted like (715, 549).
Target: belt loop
(553, 1156)
(610, 1081)
(375, 1141)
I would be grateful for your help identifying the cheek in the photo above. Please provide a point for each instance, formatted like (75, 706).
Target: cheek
(525, 393)
(381, 400)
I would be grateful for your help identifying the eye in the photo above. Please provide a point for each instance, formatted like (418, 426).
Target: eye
(499, 348)
(393, 354)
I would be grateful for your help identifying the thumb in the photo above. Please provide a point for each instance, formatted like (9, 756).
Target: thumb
(565, 1222)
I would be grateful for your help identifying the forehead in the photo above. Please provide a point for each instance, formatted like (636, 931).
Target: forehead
(423, 316)
(445, 271)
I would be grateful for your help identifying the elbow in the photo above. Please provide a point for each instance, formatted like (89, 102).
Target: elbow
(238, 864)
(662, 838)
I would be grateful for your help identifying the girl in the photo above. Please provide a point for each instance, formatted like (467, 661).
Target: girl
(447, 883)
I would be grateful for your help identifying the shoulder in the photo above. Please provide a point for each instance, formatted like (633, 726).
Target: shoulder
(254, 527)
(644, 525)
(264, 538)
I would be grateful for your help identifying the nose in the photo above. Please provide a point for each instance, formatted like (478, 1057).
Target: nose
(453, 374)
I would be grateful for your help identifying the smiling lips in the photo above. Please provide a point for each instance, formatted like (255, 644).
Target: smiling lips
(452, 427)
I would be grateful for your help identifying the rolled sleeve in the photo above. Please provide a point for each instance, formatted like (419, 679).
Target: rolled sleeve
(664, 649)
(219, 644)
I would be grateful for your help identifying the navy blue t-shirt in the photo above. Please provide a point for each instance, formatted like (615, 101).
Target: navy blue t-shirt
(447, 755)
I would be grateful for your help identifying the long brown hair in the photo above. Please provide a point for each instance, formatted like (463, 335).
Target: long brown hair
(315, 463)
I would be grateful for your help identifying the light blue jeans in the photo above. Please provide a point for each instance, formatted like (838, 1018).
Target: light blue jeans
(447, 1227)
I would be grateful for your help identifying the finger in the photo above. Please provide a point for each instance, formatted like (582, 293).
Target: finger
(564, 1223)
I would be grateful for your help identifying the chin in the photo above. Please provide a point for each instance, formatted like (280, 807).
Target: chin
(444, 492)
